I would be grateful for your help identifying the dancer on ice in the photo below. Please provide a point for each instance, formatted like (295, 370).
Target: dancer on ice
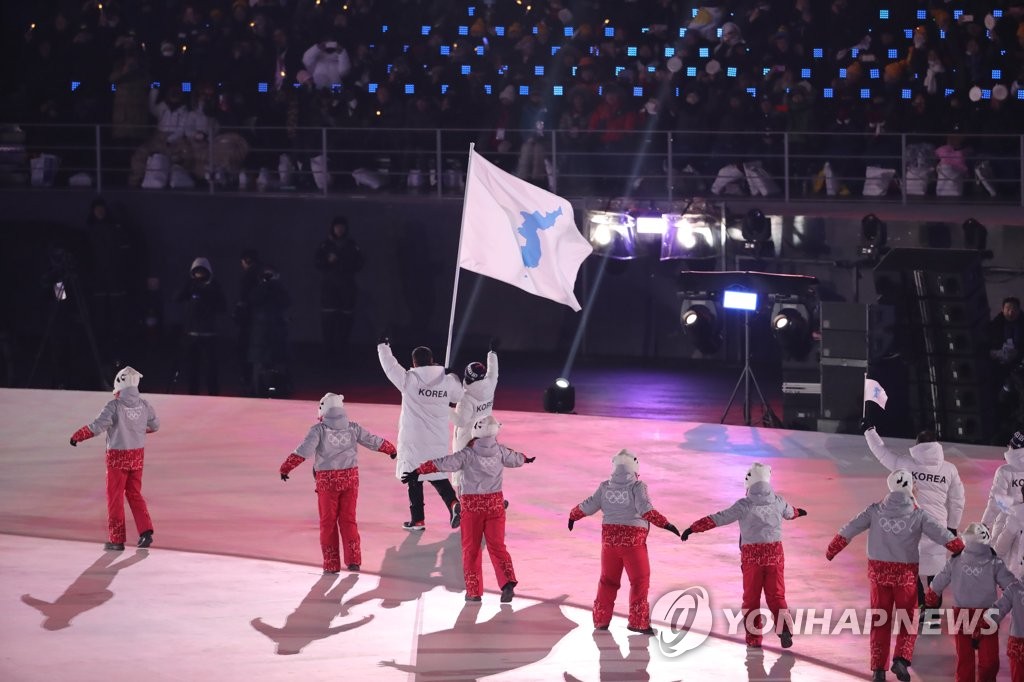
(973, 574)
(332, 442)
(937, 488)
(482, 464)
(427, 395)
(126, 420)
(1007, 483)
(760, 515)
(895, 526)
(628, 514)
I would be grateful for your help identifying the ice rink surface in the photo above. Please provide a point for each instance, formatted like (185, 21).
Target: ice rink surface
(232, 587)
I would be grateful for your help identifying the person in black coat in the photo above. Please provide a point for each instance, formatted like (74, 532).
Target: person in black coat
(338, 259)
(242, 314)
(204, 304)
(268, 342)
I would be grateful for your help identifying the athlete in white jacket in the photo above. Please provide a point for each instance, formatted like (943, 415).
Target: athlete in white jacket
(937, 489)
(427, 396)
(1008, 480)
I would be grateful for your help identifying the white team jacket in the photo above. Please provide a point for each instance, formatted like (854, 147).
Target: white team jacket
(1008, 482)
(423, 423)
(937, 485)
(477, 402)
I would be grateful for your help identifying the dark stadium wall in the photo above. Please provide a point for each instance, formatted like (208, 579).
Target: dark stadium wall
(410, 244)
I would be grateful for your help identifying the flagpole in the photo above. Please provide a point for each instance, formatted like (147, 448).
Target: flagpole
(458, 258)
(864, 408)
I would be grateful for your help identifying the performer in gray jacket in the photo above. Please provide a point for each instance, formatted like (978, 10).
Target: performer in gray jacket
(973, 574)
(628, 514)
(332, 443)
(126, 420)
(483, 512)
(1013, 601)
(895, 526)
(760, 515)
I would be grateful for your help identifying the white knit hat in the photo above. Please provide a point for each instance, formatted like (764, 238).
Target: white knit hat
(127, 377)
(329, 401)
(978, 533)
(487, 427)
(626, 459)
(758, 473)
(900, 480)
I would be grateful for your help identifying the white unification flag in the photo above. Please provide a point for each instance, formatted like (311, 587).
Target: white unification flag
(874, 392)
(520, 234)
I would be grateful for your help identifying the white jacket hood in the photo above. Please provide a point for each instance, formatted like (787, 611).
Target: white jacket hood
(201, 262)
(927, 454)
(1015, 458)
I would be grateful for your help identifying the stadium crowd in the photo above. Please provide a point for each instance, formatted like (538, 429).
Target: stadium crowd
(515, 71)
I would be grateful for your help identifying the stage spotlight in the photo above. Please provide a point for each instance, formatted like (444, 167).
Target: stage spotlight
(612, 234)
(699, 320)
(792, 329)
(873, 234)
(757, 234)
(976, 237)
(686, 236)
(560, 397)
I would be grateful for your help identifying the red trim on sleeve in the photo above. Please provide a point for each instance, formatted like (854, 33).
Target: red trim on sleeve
(701, 525)
(576, 514)
(837, 545)
(82, 434)
(291, 462)
(427, 468)
(955, 545)
(655, 517)
(930, 598)
(388, 448)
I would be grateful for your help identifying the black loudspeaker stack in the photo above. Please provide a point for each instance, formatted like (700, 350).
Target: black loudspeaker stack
(844, 360)
(941, 314)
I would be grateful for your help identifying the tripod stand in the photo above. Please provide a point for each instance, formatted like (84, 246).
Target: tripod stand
(746, 377)
(67, 275)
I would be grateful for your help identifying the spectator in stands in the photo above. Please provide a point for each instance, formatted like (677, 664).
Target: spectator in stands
(613, 124)
(535, 121)
(328, 63)
(174, 125)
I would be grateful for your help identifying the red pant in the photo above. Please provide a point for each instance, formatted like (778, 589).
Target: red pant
(1015, 652)
(904, 599)
(638, 569)
(483, 516)
(338, 512)
(770, 579)
(987, 664)
(122, 483)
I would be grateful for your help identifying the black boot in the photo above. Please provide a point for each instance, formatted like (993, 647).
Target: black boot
(456, 514)
(146, 539)
(114, 546)
(353, 567)
(877, 676)
(508, 591)
(899, 667)
(786, 638)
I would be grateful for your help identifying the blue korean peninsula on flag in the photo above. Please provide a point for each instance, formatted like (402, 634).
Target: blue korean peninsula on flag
(520, 234)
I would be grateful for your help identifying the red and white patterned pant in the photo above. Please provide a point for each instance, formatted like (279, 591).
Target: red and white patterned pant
(885, 597)
(972, 664)
(771, 580)
(483, 516)
(338, 513)
(623, 547)
(1015, 652)
(121, 484)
